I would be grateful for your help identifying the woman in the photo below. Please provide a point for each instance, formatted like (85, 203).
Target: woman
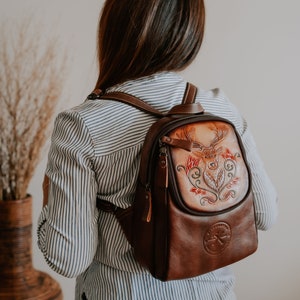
(95, 151)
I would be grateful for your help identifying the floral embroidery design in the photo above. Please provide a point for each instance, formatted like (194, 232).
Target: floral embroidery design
(211, 170)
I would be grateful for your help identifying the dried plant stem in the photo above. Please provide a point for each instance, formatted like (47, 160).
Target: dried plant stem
(31, 83)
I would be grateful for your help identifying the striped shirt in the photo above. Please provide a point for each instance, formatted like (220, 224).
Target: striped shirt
(95, 151)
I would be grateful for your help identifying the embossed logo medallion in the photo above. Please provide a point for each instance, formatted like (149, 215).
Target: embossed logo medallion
(217, 238)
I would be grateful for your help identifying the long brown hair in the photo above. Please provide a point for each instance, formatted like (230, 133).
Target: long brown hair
(137, 38)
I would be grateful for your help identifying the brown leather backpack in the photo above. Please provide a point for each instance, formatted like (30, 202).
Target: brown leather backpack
(193, 210)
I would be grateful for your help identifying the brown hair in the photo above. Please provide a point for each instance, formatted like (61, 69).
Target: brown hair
(141, 37)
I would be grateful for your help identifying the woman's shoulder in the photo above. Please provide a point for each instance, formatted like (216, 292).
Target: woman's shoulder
(89, 107)
(90, 111)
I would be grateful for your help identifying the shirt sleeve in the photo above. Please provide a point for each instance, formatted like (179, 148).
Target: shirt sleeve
(265, 195)
(67, 226)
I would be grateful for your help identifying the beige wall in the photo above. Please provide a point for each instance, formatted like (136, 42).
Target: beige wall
(251, 50)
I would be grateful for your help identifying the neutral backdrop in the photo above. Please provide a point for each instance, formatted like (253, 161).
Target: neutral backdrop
(251, 50)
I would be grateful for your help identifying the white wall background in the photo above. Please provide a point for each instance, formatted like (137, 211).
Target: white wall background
(252, 51)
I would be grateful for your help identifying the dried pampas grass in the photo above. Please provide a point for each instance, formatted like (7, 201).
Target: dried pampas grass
(32, 73)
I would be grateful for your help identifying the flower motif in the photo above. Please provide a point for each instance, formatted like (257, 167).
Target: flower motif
(198, 191)
(228, 155)
(191, 163)
(232, 182)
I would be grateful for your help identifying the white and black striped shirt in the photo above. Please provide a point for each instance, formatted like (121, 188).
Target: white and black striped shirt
(95, 150)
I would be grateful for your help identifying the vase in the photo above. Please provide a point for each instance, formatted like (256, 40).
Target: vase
(18, 279)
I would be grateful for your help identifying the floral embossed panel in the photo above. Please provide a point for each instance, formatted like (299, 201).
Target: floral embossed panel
(213, 175)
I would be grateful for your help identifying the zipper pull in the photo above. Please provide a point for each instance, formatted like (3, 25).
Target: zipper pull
(147, 215)
(163, 166)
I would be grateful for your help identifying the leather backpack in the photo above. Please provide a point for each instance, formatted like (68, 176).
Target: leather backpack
(193, 210)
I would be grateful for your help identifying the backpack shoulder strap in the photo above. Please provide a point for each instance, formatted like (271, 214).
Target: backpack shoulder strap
(187, 106)
(133, 101)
